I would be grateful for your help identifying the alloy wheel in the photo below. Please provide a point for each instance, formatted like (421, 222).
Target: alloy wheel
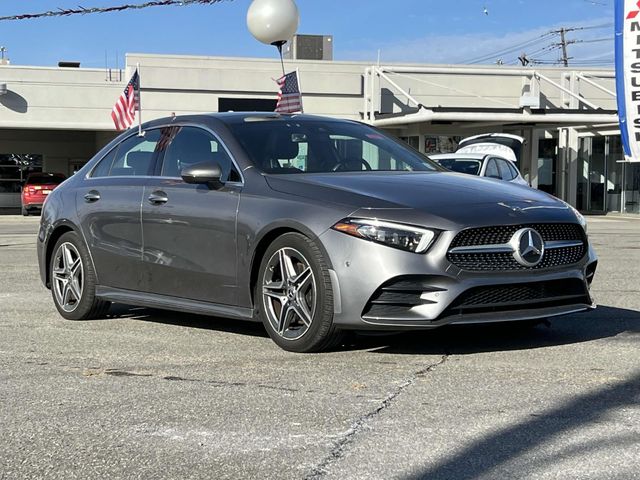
(289, 293)
(68, 277)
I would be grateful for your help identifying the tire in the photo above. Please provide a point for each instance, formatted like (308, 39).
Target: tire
(304, 296)
(25, 212)
(78, 270)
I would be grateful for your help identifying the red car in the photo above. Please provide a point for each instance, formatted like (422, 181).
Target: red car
(36, 189)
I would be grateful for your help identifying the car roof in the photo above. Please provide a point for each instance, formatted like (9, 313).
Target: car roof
(242, 117)
(461, 156)
(468, 156)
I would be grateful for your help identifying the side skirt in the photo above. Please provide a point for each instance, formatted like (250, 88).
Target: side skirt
(166, 302)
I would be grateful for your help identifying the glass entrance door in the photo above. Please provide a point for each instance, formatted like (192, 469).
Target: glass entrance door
(547, 165)
(600, 175)
(592, 175)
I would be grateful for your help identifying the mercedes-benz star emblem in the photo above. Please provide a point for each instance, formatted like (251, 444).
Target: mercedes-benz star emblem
(528, 247)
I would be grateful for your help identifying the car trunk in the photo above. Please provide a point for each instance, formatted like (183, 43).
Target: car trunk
(500, 144)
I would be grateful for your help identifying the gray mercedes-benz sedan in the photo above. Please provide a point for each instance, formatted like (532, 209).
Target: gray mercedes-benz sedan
(312, 225)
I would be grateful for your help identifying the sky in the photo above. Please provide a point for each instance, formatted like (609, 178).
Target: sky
(420, 31)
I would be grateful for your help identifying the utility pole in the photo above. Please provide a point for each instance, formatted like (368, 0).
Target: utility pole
(563, 42)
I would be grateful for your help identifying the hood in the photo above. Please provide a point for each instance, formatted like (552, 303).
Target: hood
(501, 144)
(451, 196)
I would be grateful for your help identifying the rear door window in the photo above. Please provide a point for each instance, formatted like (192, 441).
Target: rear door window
(136, 155)
(492, 169)
(104, 166)
(505, 171)
(514, 170)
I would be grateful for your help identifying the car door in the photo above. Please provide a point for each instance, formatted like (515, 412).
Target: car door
(190, 230)
(108, 204)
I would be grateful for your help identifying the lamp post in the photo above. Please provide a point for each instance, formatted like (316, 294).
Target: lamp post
(273, 22)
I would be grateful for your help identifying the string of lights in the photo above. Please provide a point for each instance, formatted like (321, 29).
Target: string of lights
(65, 12)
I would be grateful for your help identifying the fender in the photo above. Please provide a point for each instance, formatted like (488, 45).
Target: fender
(49, 237)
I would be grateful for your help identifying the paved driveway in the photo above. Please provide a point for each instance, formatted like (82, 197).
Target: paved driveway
(150, 394)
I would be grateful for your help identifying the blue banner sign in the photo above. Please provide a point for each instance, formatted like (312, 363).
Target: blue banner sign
(628, 75)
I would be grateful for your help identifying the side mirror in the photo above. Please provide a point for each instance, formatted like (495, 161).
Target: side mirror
(205, 173)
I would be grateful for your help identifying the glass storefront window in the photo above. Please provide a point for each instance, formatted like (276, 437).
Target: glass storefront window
(615, 156)
(14, 170)
(600, 174)
(606, 182)
(632, 188)
(441, 144)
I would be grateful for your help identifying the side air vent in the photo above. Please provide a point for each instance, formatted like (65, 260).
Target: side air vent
(396, 298)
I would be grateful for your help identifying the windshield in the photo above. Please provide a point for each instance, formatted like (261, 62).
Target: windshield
(299, 146)
(461, 165)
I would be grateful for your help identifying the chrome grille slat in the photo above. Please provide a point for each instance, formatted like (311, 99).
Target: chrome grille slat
(488, 249)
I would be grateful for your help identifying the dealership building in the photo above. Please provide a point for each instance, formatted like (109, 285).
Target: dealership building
(55, 119)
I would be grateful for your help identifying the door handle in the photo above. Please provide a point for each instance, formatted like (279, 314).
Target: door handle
(92, 196)
(158, 198)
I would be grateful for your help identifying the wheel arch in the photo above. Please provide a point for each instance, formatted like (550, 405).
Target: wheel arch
(267, 237)
(57, 232)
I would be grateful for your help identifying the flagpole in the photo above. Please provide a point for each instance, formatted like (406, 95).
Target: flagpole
(299, 90)
(279, 47)
(140, 133)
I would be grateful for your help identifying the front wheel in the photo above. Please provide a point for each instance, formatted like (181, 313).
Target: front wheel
(293, 295)
(73, 280)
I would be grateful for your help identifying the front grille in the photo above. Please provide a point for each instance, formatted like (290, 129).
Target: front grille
(503, 233)
(500, 261)
(496, 298)
(396, 298)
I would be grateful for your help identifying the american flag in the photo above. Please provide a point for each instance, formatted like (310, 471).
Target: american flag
(124, 111)
(289, 96)
(167, 134)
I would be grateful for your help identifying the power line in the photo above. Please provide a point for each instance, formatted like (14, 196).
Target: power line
(62, 12)
(536, 41)
(595, 40)
(511, 49)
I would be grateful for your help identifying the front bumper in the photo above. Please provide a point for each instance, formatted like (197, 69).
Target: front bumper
(378, 287)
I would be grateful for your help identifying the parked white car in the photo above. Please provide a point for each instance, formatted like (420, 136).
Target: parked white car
(481, 165)
(492, 155)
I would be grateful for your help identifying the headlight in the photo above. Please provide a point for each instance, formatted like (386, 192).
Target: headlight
(396, 235)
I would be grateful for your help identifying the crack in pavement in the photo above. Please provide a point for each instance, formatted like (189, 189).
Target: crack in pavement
(340, 446)
(95, 372)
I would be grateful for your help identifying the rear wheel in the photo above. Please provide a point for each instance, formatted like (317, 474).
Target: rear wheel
(293, 295)
(73, 280)
(25, 212)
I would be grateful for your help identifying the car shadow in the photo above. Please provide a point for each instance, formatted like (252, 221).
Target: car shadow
(189, 320)
(604, 322)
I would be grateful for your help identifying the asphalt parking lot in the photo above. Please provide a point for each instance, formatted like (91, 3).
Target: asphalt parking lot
(151, 394)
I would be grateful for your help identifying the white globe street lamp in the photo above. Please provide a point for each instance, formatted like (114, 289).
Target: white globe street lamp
(273, 21)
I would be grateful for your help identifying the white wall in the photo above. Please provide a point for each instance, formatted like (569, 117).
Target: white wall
(81, 99)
